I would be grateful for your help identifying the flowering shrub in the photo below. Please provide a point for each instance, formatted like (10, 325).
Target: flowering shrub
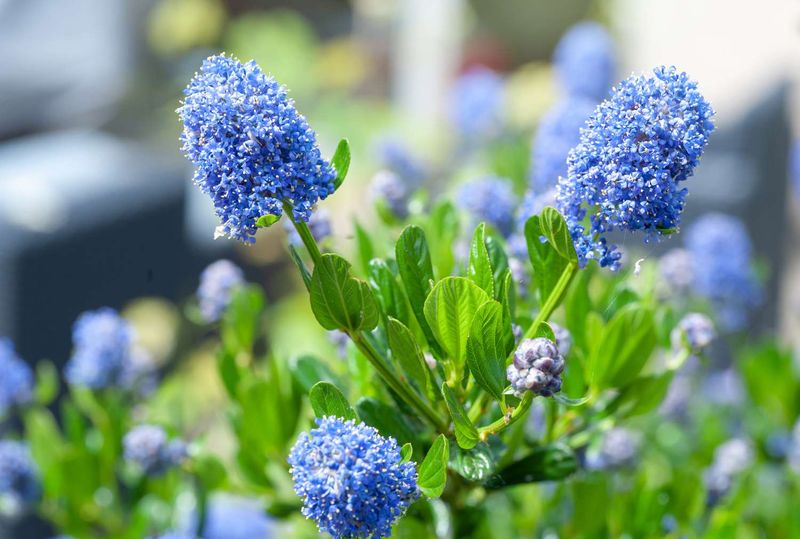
(485, 375)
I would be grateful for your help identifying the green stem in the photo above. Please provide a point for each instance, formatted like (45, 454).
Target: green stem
(552, 415)
(507, 420)
(552, 300)
(202, 505)
(403, 390)
(305, 234)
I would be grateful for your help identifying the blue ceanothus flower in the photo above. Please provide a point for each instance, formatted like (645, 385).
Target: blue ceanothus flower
(252, 150)
(730, 460)
(585, 62)
(476, 104)
(695, 330)
(19, 478)
(557, 133)
(351, 479)
(16, 380)
(490, 199)
(217, 284)
(102, 350)
(721, 254)
(149, 447)
(636, 150)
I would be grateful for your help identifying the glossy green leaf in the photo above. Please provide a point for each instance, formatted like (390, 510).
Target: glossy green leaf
(339, 300)
(210, 470)
(366, 252)
(267, 220)
(298, 261)
(450, 309)
(551, 257)
(444, 230)
(388, 292)
(408, 354)
(480, 266)
(544, 463)
(432, 473)
(466, 433)
(498, 260)
(414, 264)
(626, 344)
(341, 162)
(475, 464)
(308, 370)
(387, 419)
(228, 371)
(327, 400)
(640, 396)
(406, 452)
(488, 345)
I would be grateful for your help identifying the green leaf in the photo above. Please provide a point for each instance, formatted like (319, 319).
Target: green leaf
(387, 290)
(450, 309)
(406, 452)
(308, 370)
(46, 383)
(341, 162)
(488, 348)
(640, 396)
(626, 344)
(298, 260)
(366, 251)
(466, 433)
(550, 258)
(228, 371)
(339, 300)
(577, 305)
(210, 470)
(408, 355)
(242, 318)
(267, 220)
(416, 271)
(326, 400)
(480, 266)
(545, 463)
(444, 229)
(44, 439)
(265, 426)
(499, 261)
(387, 419)
(474, 464)
(432, 474)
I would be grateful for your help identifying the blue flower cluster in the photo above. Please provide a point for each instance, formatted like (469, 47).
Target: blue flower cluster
(722, 255)
(151, 450)
(319, 224)
(557, 133)
(619, 448)
(19, 478)
(585, 61)
(253, 151)
(676, 269)
(397, 158)
(476, 104)
(730, 459)
(626, 172)
(16, 381)
(217, 283)
(490, 199)
(537, 367)
(102, 348)
(351, 479)
(388, 188)
(695, 330)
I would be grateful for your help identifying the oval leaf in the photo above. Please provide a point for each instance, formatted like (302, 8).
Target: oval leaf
(406, 352)
(546, 463)
(416, 271)
(488, 348)
(624, 348)
(480, 266)
(339, 300)
(267, 220)
(466, 433)
(432, 473)
(341, 162)
(326, 400)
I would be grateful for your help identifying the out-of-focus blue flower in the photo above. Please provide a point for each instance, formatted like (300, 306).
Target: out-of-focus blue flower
(319, 224)
(721, 252)
(563, 338)
(490, 199)
(16, 380)
(794, 450)
(339, 339)
(174, 535)
(397, 158)
(730, 459)
(723, 388)
(251, 148)
(532, 204)
(519, 274)
(389, 189)
(585, 61)
(102, 346)
(694, 330)
(217, 283)
(626, 172)
(351, 479)
(537, 367)
(476, 104)
(236, 517)
(557, 133)
(676, 269)
(619, 448)
(150, 449)
(19, 478)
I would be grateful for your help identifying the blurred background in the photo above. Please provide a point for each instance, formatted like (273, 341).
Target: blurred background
(96, 201)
